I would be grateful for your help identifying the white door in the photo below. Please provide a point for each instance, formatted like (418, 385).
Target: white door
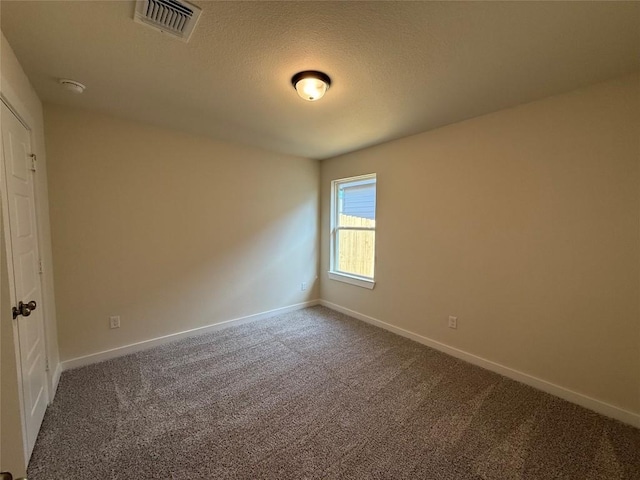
(24, 258)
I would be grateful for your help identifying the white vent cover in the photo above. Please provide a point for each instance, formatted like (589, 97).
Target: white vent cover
(174, 17)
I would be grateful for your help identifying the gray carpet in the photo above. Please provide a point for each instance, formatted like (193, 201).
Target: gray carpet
(317, 395)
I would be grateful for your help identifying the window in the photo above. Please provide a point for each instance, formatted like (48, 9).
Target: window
(353, 230)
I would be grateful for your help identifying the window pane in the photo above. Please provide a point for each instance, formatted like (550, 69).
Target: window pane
(358, 199)
(351, 221)
(356, 252)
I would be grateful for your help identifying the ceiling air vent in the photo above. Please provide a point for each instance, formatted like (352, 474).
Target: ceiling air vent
(169, 16)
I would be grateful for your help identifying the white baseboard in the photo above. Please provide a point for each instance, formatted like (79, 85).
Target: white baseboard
(152, 342)
(599, 406)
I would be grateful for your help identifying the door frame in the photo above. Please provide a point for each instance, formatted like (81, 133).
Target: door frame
(1, 464)
(12, 287)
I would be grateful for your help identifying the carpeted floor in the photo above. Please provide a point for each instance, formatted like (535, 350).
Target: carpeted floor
(317, 395)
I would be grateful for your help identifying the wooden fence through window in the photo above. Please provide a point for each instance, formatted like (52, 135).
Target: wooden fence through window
(357, 247)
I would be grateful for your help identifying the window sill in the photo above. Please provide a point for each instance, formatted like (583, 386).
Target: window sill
(360, 282)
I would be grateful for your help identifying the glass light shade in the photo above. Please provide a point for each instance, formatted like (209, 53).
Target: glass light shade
(311, 89)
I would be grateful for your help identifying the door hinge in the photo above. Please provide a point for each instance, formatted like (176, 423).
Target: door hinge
(46, 364)
(32, 165)
(40, 267)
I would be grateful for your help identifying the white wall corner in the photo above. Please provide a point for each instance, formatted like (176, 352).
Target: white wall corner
(585, 401)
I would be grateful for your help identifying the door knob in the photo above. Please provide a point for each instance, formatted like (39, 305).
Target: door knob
(23, 309)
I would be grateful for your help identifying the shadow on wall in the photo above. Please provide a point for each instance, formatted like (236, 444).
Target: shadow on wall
(219, 287)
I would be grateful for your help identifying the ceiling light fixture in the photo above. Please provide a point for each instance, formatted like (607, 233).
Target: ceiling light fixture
(72, 85)
(311, 85)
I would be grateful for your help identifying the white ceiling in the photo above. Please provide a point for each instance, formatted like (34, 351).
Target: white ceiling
(397, 68)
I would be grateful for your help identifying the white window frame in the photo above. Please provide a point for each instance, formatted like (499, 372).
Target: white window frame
(334, 273)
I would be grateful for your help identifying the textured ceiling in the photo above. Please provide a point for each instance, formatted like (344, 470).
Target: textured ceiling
(398, 68)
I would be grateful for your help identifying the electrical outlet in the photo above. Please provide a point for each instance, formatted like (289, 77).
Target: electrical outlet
(303, 286)
(453, 322)
(114, 322)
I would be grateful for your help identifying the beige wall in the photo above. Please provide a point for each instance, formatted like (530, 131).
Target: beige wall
(17, 90)
(171, 231)
(525, 224)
